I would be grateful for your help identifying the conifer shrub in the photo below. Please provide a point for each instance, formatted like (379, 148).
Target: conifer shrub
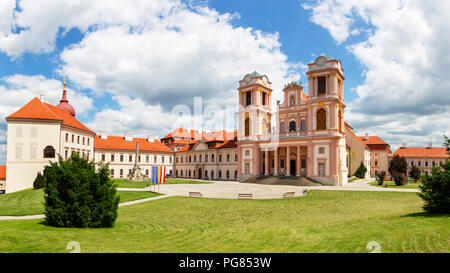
(78, 195)
(39, 181)
(435, 189)
(361, 171)
(380, 177)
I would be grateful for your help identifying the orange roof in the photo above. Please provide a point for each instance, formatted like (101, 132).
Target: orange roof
(178, 133)
(119, 143)
(372, 140)
(36, 109)
(181, 135)
(2, 172)
(421, 152)
(304, 96)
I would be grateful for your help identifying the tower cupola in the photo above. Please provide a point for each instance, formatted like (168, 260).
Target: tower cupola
(64, 102)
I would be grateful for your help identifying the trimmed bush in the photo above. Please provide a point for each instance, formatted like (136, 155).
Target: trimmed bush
(397, 169)
(76, 195)
(39, 181)
(435, 189)
(361, 171)
(414, 173)
(380, 177)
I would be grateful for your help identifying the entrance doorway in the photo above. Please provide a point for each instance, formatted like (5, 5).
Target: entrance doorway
(293, 167)
(200, 173)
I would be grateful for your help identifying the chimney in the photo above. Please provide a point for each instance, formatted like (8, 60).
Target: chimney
(103, 136)
(224, 135)
(430, 145)
(150, 138)
(366, 136)
(403, 145)
(41, 98)
(128, 137)
(192, 134)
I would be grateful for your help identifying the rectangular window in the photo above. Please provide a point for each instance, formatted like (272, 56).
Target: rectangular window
(419, 163)
(121, 158)
(248, 98)
(206, 158)
(155, 159)
(112, 172)
(121, 173)
(18, 152)
(263, 98)
(426, 163)
(212, 158)
(195, 158)
(130, 158)
(170, 160)
(78, 139)
(112, 158)
(18, 131)
(228, 174)
(147, 159)
(103, 157)
(212, 174)
(321, 150)
(321, 168)
(322, 84)
(162, 159)
(303, 125)
(200, 158)
(236, 157)
(84, 139)
(376, 163)
(146, 172)
(67, 137)
(73, 138)
(247, 168)
(33, 132)
(220, 158)
(33, 152)
(220, 174)
(228, 157)
(66, 154)
(88, 141)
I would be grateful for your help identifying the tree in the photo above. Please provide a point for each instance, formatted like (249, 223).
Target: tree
(76, 195)
(397, 169)
(380, 177)
(415, 173)
(39, 181)
(435, 189)
(361, 171)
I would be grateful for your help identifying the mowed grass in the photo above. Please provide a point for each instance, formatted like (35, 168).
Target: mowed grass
(122, 183)
(30, 202)
(391, 184)
(323, 221)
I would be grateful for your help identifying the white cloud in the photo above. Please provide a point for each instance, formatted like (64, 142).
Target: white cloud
(405, 96)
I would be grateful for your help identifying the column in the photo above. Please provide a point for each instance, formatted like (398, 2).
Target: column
(256, 160)
(266, 159)
(310, 160)
(288, 161)
(275, 171)
(299, 165)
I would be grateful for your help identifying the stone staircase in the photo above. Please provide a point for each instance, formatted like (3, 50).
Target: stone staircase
(283, 180)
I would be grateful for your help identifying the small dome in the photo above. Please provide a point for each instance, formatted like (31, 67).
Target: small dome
(64, 103)
(66, 106)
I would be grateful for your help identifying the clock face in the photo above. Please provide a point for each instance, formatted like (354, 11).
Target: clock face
(264, 79)
(321, 61)
(247, 78)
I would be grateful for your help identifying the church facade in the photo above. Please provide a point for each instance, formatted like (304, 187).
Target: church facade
(310, 135)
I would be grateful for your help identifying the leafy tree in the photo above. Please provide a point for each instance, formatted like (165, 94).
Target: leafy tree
(414, 173)
(397, 169)
(361, 171)
(435, 189)
(76, 195)
(39, 181)
(380, 177)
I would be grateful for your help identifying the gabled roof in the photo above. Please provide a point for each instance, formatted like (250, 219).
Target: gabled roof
(180, 135)
(2, 172)
(372, 140)
(36, 109)
(349, 129)
(437, 152)
(119, 143)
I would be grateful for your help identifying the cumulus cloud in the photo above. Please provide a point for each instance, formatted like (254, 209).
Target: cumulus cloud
(405, 95)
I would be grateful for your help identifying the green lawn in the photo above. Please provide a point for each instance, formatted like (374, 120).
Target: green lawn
(30, 202)
(122, 183)
(323, 221)
(391, 184)
(353, 179)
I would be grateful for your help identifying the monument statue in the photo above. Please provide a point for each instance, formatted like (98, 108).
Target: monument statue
(136, 174)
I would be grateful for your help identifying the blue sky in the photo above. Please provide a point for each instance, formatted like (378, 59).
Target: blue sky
(128, 63)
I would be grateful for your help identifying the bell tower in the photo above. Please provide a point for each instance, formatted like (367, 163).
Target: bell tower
(254, 115)
(326, 94)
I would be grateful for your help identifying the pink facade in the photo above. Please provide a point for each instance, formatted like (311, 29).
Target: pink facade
(309, 138)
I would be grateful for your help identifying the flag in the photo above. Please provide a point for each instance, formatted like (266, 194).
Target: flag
(154, 174)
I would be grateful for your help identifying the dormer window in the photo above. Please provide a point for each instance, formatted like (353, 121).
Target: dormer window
(322, 84)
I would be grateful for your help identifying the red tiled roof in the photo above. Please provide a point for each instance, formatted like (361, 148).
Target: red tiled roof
(2, 172)
(119, 143)
(421, 152)
(180, 135)
(375, 143)
(36, 109)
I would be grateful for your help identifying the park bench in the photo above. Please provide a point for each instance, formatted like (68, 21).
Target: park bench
(195, 194)
(245, 196)
(289, 195)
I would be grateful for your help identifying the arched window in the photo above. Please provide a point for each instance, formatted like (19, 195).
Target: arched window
(292, 101)
(247, 127)
(321, 119)
(340, 120)
(292, 126)
(49, 152)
